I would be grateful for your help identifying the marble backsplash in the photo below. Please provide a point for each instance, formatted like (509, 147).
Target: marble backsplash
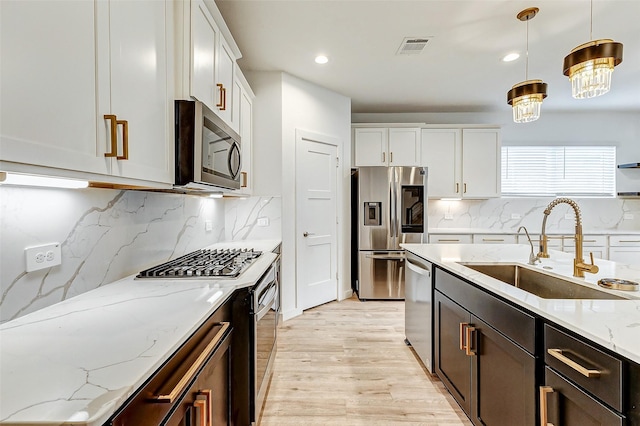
(104, 234)
(508, 214)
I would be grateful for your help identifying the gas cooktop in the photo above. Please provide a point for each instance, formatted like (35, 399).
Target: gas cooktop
(205, 263)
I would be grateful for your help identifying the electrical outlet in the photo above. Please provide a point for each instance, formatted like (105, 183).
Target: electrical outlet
(41, 257)
(208, 225)
(448, 216)
(628, 216)
(263, 221)
(516, 216)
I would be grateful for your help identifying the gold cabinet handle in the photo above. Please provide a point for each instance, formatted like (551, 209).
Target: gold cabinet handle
(462, 327)
(457, 187)
(205, 418)
(557, 353)
(125, 140)
(391, 157)
(544, 416)
(465, 188)
(200, 406)
(629, 241)
(495, 240)
(220, 87)
(444, 240)
(179, 387)
(244, 179)
(114, 135)
(469, 331)
(384, 158)
(224, 99)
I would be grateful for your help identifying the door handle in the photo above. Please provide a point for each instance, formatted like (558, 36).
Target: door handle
(114, 135)
(544, 390)
(306, 234)
(586, 372)
(125, 140)
(463, 325)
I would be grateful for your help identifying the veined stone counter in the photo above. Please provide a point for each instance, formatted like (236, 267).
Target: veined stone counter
(614, 324)
(77, 361)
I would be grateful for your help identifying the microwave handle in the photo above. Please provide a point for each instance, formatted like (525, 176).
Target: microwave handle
(234, 148)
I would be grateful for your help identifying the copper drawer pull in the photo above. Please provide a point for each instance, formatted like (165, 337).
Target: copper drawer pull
(557, 353)
(205, 395)
(469, 331)
(544, 415)
(114, 135)
(179, 387)
(200, 406)
(125, 140)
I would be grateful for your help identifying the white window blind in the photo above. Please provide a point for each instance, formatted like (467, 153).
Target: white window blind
(539, 171)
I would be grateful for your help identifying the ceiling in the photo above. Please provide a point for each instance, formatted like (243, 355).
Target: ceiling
(460, 69)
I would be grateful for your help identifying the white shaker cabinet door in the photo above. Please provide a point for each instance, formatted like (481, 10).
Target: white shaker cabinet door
(481, 163)
(48, 85)
(204, 34)
(371, 146)
(139, 93)
(404, 147)
(441, 151)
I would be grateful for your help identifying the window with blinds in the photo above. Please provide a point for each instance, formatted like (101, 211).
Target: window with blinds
(542, 171)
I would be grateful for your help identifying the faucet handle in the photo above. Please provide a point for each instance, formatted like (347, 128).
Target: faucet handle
(592, 268)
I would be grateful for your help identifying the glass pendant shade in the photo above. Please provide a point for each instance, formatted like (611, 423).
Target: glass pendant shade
(589, 67)
(526, 100)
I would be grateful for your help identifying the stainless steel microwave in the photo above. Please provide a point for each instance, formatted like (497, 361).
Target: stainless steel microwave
(208, 154)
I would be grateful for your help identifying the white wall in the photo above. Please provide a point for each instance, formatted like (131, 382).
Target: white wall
(309, 107)
(621, 129)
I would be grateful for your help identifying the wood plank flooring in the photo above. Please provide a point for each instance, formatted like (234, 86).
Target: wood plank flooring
(346, 363)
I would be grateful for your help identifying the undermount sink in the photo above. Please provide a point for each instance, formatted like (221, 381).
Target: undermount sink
(538, 283)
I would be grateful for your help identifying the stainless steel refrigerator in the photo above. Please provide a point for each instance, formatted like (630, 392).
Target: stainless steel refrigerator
(391, 210)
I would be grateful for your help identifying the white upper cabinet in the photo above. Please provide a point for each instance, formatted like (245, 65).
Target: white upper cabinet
(463, 163)
(212, 64)
(204, 35)
(48, 86)
(68, 64)
(136, 63)
(245, 121)
(382, 146)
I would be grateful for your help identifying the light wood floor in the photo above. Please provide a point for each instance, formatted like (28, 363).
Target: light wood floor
(346, 363)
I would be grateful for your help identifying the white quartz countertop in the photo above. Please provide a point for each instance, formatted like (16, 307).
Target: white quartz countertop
(614, 324)
(77, 361)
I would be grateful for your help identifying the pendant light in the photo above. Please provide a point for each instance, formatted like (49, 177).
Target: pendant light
(526, 97)
(590, 65)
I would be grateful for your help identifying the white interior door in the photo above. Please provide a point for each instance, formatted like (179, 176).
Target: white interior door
(316, 217)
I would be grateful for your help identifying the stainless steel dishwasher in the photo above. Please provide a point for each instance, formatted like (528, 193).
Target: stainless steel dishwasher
(418, 313)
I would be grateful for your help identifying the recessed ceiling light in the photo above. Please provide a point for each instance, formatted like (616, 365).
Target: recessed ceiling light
(321, 59)
(511, 57)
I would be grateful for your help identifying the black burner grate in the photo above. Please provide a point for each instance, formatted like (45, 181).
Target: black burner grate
(228, 263)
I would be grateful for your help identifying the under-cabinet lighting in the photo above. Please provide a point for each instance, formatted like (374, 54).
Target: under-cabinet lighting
(511, 57)
(450, 199)
(33, 180)
(321, 59)
(215, 195)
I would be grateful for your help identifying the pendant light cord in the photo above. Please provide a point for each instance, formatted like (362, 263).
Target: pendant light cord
(526, 73)
(591, 23)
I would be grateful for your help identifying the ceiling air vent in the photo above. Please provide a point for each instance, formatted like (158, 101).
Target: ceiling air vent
(412, 46)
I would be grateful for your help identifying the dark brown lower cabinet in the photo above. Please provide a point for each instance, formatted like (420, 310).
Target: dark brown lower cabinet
(565, 404)
(491, 377)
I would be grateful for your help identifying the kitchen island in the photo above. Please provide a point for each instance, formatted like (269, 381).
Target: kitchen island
(502, 351)
(78, 361)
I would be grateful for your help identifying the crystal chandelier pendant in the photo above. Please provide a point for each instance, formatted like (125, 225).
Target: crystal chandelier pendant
(590, 66)
(526, 108)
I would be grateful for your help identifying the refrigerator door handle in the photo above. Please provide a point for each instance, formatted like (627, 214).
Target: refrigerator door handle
(385, 257)
(392, 218)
